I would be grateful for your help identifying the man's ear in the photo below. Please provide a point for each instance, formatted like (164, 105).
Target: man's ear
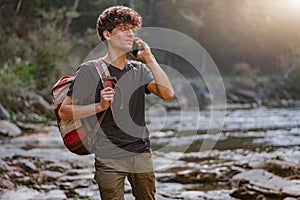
(106, 34)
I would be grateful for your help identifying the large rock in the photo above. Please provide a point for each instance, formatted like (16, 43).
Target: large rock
(278, 167)
(197, 195)
(9, 129)
(261, 181)
(24, 193)
(4, 113)
(39, 103)
(4, 183)
(191, 94)
(249, 95)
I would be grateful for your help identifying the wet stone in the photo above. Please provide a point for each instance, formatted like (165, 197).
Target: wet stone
(27, 165)
(244, 193)
(51, 175)
(24, 180)
(80, 171)
(78, 177)
(48, 187)
(66, 185)
(179, 175)
(83, 183)
(28, 126)
(191, 176)
(21, 193)
(4, 114)
(15, 174)
(91, 192)
(267, 183)
(55, 194)
(166, 177)
(198, 195)
(167, 161)
(4, 166)
(39, 103)
(6, 184)
(9, 129)
(279, 167)
(58, 166)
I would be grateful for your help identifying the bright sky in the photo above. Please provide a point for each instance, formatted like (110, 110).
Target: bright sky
(293, 4)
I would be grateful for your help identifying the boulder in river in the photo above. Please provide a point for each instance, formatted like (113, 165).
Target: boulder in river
(257, 182)
(9, 129)
(38, 102)
(4, 113)
(249, 95)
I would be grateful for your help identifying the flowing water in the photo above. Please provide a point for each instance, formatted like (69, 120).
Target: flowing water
(189, 162)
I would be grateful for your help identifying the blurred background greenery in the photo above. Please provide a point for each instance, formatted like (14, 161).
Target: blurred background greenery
(40, 40)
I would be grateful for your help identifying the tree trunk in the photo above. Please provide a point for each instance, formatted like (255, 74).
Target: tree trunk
(69, 19)
(18, 6)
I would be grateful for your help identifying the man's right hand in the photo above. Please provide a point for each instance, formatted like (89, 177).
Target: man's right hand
(106, 97)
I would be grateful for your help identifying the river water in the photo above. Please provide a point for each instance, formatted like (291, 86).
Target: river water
(190, 163)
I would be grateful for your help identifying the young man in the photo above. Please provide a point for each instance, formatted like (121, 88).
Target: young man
(123, 147)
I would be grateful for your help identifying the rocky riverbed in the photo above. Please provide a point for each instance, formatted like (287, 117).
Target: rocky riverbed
(255, 156)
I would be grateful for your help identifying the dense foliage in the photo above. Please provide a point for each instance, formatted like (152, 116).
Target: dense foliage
(41, 40)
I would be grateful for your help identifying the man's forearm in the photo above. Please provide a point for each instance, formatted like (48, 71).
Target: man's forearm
(77, 111)
(163, 84)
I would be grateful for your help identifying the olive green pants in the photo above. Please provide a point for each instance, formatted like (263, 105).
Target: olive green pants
(111, 173)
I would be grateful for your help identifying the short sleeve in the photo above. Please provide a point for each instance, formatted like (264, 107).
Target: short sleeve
(148, 77)
(85, 83)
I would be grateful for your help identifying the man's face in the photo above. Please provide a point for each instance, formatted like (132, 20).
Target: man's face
(122, 37)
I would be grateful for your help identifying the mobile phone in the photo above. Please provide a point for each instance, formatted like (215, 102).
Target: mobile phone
(135, 48)
(109, 81)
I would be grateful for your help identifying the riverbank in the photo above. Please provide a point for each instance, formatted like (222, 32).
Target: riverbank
(36, 165)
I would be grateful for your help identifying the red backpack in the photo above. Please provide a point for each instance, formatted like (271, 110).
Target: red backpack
(75, 137)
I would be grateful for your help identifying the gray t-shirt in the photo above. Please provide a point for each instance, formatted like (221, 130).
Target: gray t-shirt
(123, 132)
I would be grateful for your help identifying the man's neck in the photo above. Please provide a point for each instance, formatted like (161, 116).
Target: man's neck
(117, 61)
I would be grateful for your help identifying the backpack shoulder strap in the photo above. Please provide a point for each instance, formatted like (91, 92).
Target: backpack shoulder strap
(101, 68)
(103, 72)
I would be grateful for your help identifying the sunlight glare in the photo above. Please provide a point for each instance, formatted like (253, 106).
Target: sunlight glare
(293, 4)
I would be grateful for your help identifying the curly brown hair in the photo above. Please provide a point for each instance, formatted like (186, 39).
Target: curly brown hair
(113, 16)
